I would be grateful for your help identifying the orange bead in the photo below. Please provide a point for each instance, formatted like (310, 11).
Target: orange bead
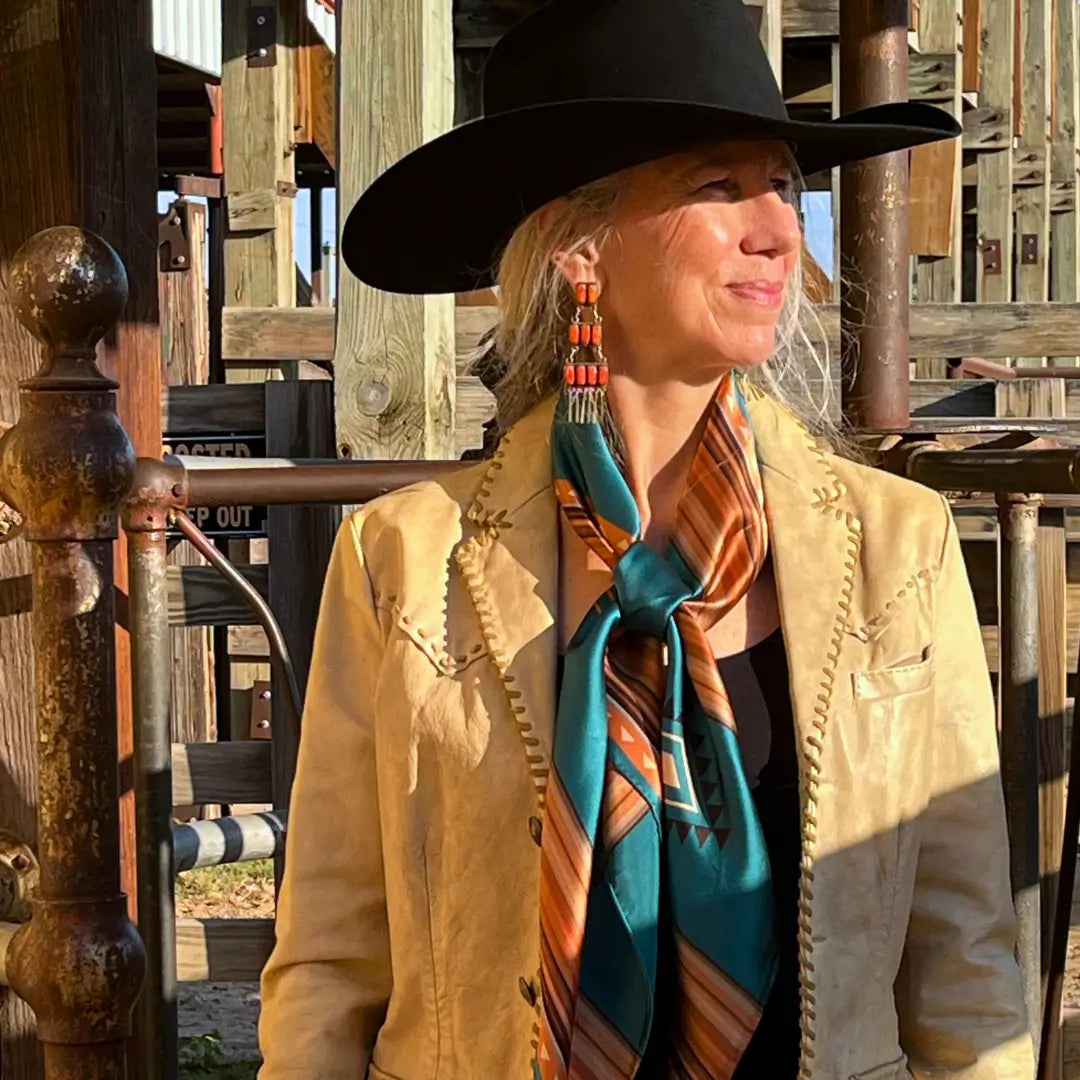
(597, 334)
(592, 375)
(580, 378)
(586, 333)
(592, 294)
(568, 374)
(603, 374)
(575, 333)
(583, 293)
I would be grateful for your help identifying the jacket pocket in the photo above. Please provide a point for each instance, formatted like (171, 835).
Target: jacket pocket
(892, 682)
(892, 1070)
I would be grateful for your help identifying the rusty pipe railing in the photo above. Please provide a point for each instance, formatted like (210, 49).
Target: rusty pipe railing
(66, 466)
(874, 283)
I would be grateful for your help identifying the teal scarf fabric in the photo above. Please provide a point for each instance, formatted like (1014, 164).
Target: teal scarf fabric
(647, 780)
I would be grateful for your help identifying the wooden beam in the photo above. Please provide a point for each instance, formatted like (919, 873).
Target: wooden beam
(76, 78)
(1033, 213)
(394, 358)
(936, 223)
(299, 423)
(258, 114)
(316, 93)
(994, 258)
(185, 347)
(1053, 668)
(199, 596)
(811, 18)
(222, 950)
(214, 410)
(228, 772)
(1065, 160)
(972, 45)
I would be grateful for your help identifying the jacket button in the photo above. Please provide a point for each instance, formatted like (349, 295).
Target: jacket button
(527, 990)
(536, 830)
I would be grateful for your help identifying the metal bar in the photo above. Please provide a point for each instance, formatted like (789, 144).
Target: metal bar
(875, 286)
(156, 1018)
(242, 838)
(333, 482)
(1049, 472)
(247, 592)
(1019, 689)
(67, 465)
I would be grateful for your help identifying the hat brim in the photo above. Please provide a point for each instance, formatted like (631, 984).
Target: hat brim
(436, 221)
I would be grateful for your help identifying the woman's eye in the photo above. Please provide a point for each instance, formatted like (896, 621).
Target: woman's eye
(724, 187)
(783, 186)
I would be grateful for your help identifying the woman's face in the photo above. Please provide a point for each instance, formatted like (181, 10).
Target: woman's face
(693, 273)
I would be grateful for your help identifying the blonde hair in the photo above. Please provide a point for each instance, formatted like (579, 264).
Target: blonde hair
(536, 304)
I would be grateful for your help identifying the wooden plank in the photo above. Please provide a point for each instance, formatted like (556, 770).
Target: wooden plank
(214, 410)
(257, 103)
(299, 423)
(274, 333)
(811, 18)
(1065, 160)
(185, 346)
(937, 329)
(228, 772)
(316, 93)
(222, 950)
(772, 35)
(994, 281)
(394, 356)
(952, 397)
(972, 45)
(936, 220)
(1053, 664)
(199, 596)
(1033, 211)
(986, 128)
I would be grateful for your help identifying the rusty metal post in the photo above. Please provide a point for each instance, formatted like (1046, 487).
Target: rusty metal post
(66, 466)
(875, 276)
(1019, 688)
(145, 521)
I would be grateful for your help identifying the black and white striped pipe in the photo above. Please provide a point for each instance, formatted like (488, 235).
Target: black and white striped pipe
(243, 838)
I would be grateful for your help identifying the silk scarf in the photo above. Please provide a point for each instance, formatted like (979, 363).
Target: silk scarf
(647, 790)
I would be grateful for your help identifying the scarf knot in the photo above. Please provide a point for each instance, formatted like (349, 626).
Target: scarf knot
(648, 590)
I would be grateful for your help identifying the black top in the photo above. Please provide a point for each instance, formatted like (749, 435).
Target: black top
(757, 683)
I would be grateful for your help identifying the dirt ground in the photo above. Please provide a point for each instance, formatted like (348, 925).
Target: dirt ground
(218, 1020)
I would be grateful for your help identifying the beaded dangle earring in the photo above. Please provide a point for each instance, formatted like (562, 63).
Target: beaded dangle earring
(586, 370)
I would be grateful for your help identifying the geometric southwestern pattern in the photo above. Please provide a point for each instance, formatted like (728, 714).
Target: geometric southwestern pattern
(647, 781)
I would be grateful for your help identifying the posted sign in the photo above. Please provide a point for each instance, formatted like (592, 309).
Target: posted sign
(237, 521)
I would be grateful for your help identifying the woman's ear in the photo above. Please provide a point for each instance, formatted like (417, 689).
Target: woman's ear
(578, 266)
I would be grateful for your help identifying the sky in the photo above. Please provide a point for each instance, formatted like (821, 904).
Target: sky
(816, 213)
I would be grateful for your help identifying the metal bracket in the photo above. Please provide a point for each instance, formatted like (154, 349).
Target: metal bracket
(991, 256)
(262, 37)
(209, 187)
(260, 710)
(174, 249)
(1029, 249)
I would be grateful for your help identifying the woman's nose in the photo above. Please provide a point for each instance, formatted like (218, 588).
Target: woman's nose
(771, 227)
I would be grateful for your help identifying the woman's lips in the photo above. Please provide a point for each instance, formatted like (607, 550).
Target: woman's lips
(764, 293)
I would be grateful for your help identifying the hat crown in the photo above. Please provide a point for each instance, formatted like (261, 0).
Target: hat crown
(701, 51)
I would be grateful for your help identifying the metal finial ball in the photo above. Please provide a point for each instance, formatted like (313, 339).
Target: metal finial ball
(68, 286)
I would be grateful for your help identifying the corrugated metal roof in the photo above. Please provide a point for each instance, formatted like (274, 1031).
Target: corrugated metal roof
(189, 31)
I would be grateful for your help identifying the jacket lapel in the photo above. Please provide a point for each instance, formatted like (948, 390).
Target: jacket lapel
(815, 542)
(510, 565)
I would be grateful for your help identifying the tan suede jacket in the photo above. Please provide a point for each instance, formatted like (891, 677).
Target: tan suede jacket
(408, 934)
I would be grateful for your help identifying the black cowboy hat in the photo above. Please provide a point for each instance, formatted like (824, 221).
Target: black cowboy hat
(574, 92)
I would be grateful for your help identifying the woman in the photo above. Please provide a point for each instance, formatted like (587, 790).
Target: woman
(662, 744)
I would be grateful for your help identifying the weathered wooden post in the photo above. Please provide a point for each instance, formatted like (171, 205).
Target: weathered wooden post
(66, 466)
